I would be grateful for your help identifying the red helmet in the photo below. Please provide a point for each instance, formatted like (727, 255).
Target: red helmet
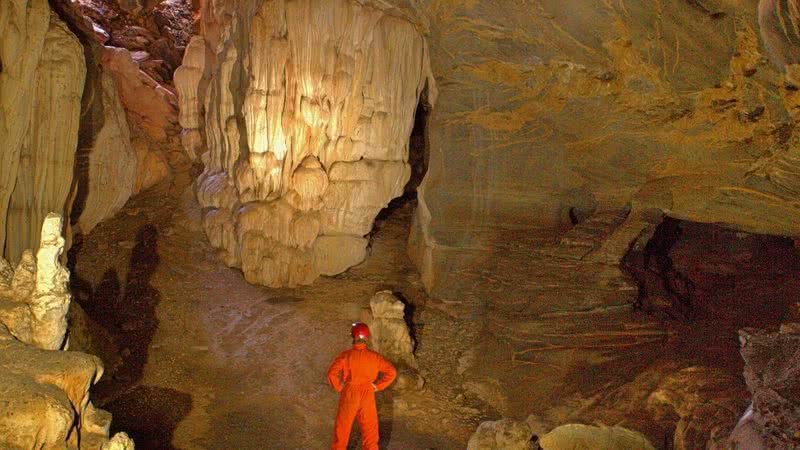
(360, 330)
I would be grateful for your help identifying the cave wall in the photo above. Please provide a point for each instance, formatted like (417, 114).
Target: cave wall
(41, 84)
(111, 171)
(83, 128)
(301, 112)
(543, 108)
(550, 105)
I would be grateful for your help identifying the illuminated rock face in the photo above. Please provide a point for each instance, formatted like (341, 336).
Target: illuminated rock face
(44, 391)
(306, 118)
(41, 83)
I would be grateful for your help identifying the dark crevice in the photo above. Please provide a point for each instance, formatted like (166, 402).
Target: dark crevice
(408, 317)
(690, 272)
(92, 116)
(418, 155)
(663, 289)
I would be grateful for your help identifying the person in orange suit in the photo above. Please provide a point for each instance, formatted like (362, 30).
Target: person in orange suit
(354, 375)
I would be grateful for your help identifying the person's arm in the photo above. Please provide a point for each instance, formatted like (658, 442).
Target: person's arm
(388, 374)
(334, 372)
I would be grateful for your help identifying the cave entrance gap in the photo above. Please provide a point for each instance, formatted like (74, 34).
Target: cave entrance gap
(707, 282)
(418, 156)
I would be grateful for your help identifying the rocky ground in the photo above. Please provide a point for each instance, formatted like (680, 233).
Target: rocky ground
(213, 362)
(209, 361)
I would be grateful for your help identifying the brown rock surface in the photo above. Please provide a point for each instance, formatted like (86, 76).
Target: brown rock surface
(772, 372)
(390, 333)
(113, 164)
(150, 106)
(596, 437)
(161, 30)
(548, 106)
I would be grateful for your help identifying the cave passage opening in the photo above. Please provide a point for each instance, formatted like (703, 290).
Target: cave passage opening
(707, 282)
(418, 157)
(155, 32)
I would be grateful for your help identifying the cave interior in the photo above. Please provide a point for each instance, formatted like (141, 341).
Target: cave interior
(569, 224)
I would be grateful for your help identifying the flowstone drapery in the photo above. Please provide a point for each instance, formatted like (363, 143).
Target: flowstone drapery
(308, 108)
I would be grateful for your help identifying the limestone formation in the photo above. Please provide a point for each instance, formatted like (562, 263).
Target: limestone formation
(391, 337)
(150, 106)
(36, 294)
(772, 373)
(188, 82)
(705, 401)
(152, 113)
(304, 111)
(119, 441)
(390, 334)
(594, 437)
(504, 434)
(507, 434)
(41, 83)
(548, 107)
(44, 392)
(112, 162)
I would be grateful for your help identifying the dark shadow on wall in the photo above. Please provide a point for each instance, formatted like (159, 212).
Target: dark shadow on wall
(126, 311)
(663, 288)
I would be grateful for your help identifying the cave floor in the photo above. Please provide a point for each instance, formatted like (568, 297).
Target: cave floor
(212, 362)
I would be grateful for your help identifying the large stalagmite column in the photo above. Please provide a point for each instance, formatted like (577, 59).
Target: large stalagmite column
(307, 115)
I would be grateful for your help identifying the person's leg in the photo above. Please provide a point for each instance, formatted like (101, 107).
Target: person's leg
(348, 407)
(368, 422)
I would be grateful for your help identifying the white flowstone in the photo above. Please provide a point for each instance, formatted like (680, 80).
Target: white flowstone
(51, 298)
(317, 141)
(390, 334)
(45, 391)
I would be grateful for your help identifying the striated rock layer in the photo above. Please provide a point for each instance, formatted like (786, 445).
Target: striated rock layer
(41, 84)
(112, 163)
(44, 392)
(550, 110)
(302, 111)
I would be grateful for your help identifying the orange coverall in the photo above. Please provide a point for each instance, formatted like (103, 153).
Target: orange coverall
(358, 368)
